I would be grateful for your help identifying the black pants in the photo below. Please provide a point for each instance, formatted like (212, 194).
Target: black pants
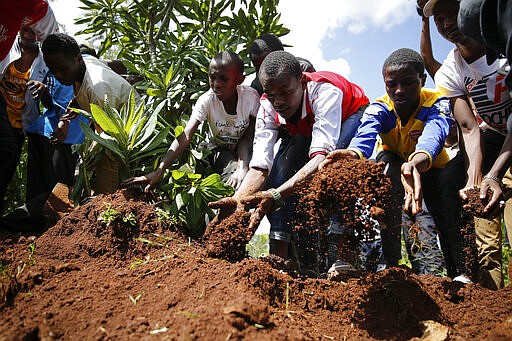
(11, 144)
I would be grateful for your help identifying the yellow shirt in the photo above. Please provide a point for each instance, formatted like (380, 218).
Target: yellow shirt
(13, 88)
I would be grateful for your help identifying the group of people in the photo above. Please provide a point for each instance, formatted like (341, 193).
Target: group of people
(292, 121)
(58, 76)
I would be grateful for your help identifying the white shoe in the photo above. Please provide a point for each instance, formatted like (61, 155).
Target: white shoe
(463, 279)
(341, 267)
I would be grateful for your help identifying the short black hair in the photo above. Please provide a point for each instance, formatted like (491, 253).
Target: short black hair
(60, 43)
(230, 57)
(399, 58)
(86, 49)
(281, 61)
(265, 44)
(306, 65)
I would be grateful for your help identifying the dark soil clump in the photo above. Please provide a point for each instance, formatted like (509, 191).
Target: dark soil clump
(228, 239)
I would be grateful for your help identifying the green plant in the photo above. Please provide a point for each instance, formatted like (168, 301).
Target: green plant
(31, 251)
(132, 136)
(258, 245)
(188, 197)
(170, 42)
(130, 219)
(109, 215)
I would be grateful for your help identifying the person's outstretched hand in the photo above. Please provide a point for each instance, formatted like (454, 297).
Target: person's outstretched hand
(235, 180)
(496, 193)
(262, 202)
(151, 179)
(226, 207)
(411, 180)
(338, 155)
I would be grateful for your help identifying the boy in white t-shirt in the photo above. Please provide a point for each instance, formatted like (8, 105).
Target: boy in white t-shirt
(474, 87)
(230, 110)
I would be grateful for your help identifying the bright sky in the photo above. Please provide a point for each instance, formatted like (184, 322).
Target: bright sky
(350, 37)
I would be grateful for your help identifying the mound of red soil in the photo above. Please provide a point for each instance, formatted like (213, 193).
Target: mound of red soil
(139, 280)
(228, 239)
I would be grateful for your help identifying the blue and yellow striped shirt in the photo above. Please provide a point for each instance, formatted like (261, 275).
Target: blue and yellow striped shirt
(425, 131)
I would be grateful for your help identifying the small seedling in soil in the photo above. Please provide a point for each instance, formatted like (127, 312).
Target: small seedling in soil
(136, 299)
(130, 219)
(109, 215)
(31, 251)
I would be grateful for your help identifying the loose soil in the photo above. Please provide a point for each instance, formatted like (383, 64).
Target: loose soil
(140, 278)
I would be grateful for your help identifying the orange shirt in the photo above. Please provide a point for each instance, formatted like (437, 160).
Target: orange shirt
(13, 87)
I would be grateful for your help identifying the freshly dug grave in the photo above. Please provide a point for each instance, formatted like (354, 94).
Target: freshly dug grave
(140, 279)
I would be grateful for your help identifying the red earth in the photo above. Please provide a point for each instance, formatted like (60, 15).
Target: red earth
(138, 277)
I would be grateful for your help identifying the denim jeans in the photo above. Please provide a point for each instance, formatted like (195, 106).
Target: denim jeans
(291, 156)
(423, 250)
(349, 128)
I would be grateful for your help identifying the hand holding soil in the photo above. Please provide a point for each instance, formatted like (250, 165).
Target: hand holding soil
(411, 180)
(338, 155)
(226, 206)
(263, 202)
(491, 192)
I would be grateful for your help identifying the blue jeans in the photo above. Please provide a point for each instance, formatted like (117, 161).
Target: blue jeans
(427, 256)
(349, 128)
(293, 154)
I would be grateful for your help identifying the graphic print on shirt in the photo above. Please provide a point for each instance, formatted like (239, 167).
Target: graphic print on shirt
(491, 99)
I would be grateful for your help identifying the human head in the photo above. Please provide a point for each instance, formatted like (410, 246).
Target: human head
(306, 65)
(283, 82)
(404, 76)
(225, 72)
(262, 46)
(86, 48)
(445, 17)
(27, 36)
(62, 56)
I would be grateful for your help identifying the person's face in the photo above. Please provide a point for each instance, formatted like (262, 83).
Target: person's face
(403, 86)
(223, 79)
(66, 69)
(445, 18)
(27, 36)
(284, 92)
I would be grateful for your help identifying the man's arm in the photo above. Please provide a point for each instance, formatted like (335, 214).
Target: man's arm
(471, 142)
(431, 64)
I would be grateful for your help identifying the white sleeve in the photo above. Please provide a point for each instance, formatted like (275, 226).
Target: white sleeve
(265, 137)
(326, 106)
(449, 79)
(201, 108)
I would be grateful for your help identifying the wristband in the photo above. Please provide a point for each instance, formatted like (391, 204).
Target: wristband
(493, 177)
(278, 199)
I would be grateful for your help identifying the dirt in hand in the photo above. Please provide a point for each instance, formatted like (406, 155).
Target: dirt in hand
(228, 239)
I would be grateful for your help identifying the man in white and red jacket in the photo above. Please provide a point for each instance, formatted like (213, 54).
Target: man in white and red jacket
(312, 114)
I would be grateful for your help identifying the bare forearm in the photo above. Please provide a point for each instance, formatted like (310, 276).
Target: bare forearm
(179, 145)
(431, 64)
(421, 161)
(253, 182)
